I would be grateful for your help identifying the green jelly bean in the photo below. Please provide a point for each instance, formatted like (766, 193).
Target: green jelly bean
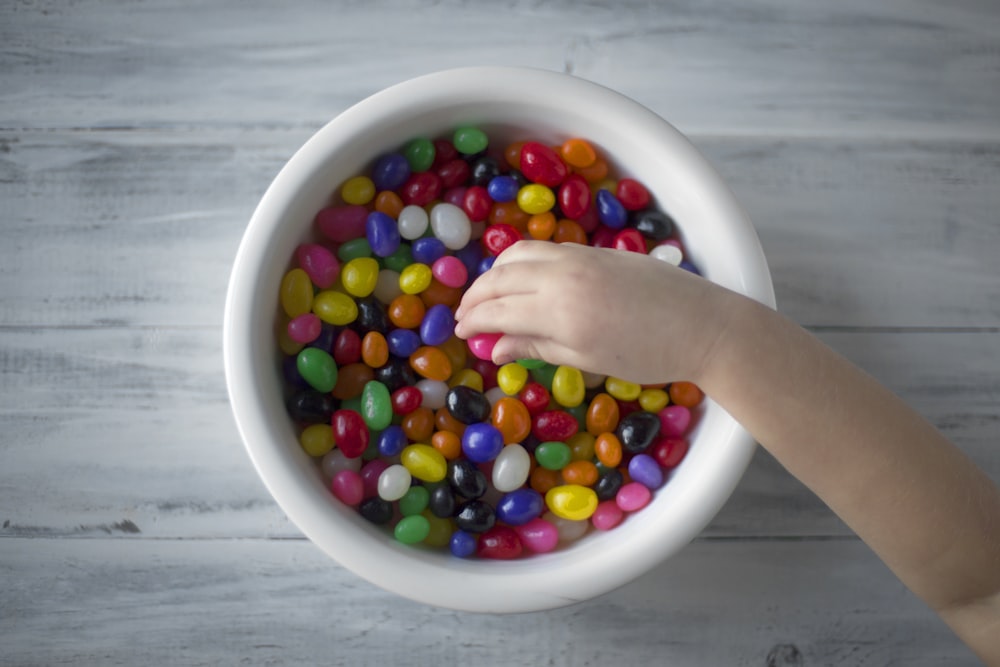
(531, 363)
(376, 405)
(470, 140)
(412, 529)
(414, 501)
(354, 249)
(543, 375)
(420, 154)
(351, 404)
(553, 455)
(371, 451)
(318, 368)
(400, 259)
(580, 413)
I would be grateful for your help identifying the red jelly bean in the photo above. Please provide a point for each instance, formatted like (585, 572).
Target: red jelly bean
(535, 397)
(574, 196)
(499, 542)
(629, 239)
(498, 238)
(421, 188)
(632, 194)
(349, 433)
(477, 203)
(342, 223)
(347, 348)
(541, 164)
(444, 152)
(589, 221)
(487, 370)
(603, 237)
(370, 472)
(406, 399)
(669, 452)
(554, 425)
(454, 173)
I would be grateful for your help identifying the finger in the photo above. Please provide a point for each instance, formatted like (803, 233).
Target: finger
(506, 280)
(518, 314)
(527, 250)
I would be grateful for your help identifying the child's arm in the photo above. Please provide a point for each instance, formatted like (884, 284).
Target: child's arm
(912, 496)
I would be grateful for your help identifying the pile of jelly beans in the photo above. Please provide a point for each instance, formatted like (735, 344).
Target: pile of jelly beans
(417, 429)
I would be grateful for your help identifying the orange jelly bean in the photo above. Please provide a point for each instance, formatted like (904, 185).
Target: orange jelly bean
(457, 351)
(431, 363)
(608, 449)
(418, 425)
(595, 173)
(602, 415)
(448, 443)
(685, 393)
(439, 293)
(578, 153)
(583, 473)
(569, 231)
(512, 419)
(542, 226)
(351, 380)
(389, 202)
(407, 311)
(510, 213)
(512, 154)
(543, 479)
(374, 349)
(445, 422)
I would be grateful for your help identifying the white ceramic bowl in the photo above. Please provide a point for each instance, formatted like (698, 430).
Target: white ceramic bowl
(510, 103)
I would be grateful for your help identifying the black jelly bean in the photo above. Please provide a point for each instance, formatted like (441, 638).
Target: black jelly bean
(376, 510)
(654, 225)
(371, 317)
(638, 431)
(396, 374)
(327, 336)
(483, 169)
(466, 478)
(608, 484)
(442, 502)
(290, 371)
(467, 405)
(475, 516)
(312, 407)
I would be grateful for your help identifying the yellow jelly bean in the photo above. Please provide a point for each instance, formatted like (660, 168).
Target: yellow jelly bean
(571, 501)
(623, 390)
(358, 190)
(335, 307)
(285, 342)
(415, 278)
(535, 198)
(296, 293)
(441, 530)
(466, 377)
(567, 387)
(653, 400)
(582, 446)
(511, 378)
(317, 439)
(359, 276)
(424, 462)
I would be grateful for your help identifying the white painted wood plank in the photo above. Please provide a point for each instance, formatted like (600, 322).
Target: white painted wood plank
(141, 228)
(194, 602)
(776, 67)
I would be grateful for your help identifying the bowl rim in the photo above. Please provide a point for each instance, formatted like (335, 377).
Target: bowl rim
(541, 581)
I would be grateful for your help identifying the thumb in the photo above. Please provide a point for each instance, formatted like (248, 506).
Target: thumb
(511, 348)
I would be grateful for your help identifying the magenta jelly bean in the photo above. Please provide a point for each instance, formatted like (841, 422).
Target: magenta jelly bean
(674, 420)
(607, 515)
(350, 433)
(633, 496)
(644, 469)
(538, 535)
(342, 223)
(370, 472)
(319, 263)
(450, 271)
(481, 345)
(305, 328)
(348, 487)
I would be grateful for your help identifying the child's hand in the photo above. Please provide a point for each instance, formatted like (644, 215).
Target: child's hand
(605, 311)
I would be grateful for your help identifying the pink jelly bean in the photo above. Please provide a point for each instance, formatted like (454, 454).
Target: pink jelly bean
(319, 263)
(674, 420)
(305, 328)
(450, 271)
(633, 496)
(348, 487)
(342, 223)
(538, 535)
(607, 515)
(370, 473)
(481, 345)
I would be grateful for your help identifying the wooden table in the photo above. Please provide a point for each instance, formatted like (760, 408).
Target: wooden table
(135, 140)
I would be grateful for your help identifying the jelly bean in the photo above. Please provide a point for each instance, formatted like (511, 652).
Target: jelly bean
(577, 152)
(382, 234)
(433, 392)
(391, 441)
(290, 372)
(644, 469)
(466, 479)
(403, 342)
(542, 479)
(405, 400)
(287, 345)
(393, 482)
(448, 443)
(418, 425)
(638, 431)
(511, 468)
(424, 462)
(674, 420)
(608, 484)
(341, 224)
(414, 501)
(370, 472)
(444, 151)
(608, 449)
(296, 293)
(412, 529)
(376, 510)
(630, 240)
(413, 222)
(486, 368)
(450, 271)
(602, 414)
(508, 213)
(400, 259)
(481, 345)
(335, 307)
(653, 400)
(500, 236)
(454, 173)
(502, 188)
(569, 231)
(571, 501)
(541, 227)
(688, 266)
(686, 394)
(305, 328)
(455, 196)
(538, 535)
(372, 315)
(439, 293)
(476, 203)
(450, 224)
(482, 170)
(667, 253)
(607, 515)
(462, 544)
(540, 164)
(443, 421)
(442, 502)
(512, 154)
(317, 368)
(535, 198)
(390, 171)
(582, 446)
(334, 461)
(348, 487)
(310, 406)
(669, 452)
(632, 194)
(512, 419)
(319, 263)
(431, 363)
(376, 405)
(387, 286)
(482, 442)
(470, 256)
(553, 455)
(467, 405)
(440, 531)
(567, 386)
(623, 390)
(486, 264)
(535, 397)
(652, 224)
(475, 516)
(420, 189)
(595, 172)
(406, 311)
(349, 432)
(374, 349)
(511, 378)
(354, 249)
(633, 496)
(583, 473)
(574, 196)
(554, 425)
(317, 439)
(347, 347)
(358, 190)
(419, 154)
(610, 210)
(520, 506)
(470, 140)
(499, 543)
(438, 324)
(428, 250)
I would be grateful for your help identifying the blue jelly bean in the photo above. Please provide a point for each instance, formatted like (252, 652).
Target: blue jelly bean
(502, 188)
(644, 469)
(392, 441)
(327, 336)
(485, 265)
(438, 325)
(688, 266)
(290, 370)
(610, 210)
(403, 342)
(470, 256)
(428, 249)
(482, 442)
(462, 544)
(520, 506)
(390, 172)
(382, 234)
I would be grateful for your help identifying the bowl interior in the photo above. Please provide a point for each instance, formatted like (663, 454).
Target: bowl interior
(510, 104)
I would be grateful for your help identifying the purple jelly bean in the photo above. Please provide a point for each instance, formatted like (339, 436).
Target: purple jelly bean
(520, 506)
(610, 210)
(454, 196)
(392, 440)
(471, 255)
(485, 265)
(382, 234)
(342, 223)
(403, 342)
(462, 544)
(327, 337)
(481, 442)
(390, 172)
(438, 325)
(290, 371)
(644, 469)
(428, 249)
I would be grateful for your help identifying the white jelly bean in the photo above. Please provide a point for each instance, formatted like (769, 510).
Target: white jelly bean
(670, 254)
(387, 286)
(569, 530)
(511, 468)
(495, 394)
(334, 461)
(434, 392)
(412, 222)
(451, 225)
(394, 482)
(593, 380)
